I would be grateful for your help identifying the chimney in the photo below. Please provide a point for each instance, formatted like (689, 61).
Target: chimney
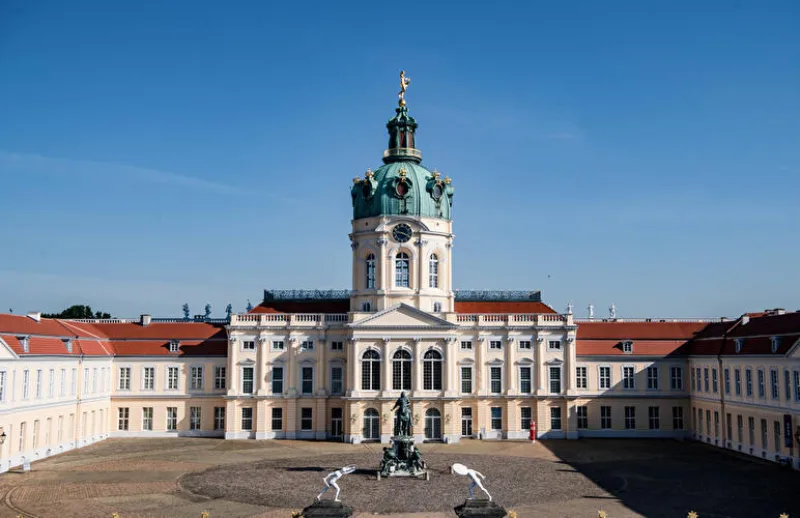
(745, 319)
(145, 319)
(778, 311)
(35, 315)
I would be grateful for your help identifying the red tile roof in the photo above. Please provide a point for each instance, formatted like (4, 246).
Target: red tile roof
(640, 347)
(639, 330)
(769, 325)
(491, 306)
(211, 347)
(162, 330)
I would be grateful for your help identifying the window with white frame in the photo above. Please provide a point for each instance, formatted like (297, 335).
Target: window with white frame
(581, 379)
(554, 345)
(85, 382)
(775, 342)
(677, 417)
(762, 393)
(699, 379)
(371, 370)
(3, 377)
(525, 418)
(714, 385)
(773, 383)
(726, 380)
(401, 370)
(466, 345)
(555, 380)
(466, 380)
(307, 380)
(307, 345)
(366, 307)
(525, 385)
(124, 414)
(370, 271)
(124, 378)
(676, 378)
(630, 418)
(605, 417)
(172, 378)
(738, 378)
(172, 418)
(605, 377)
(748, 377)
(433, 271)
(740, 428)
(495, 380)
(496, 418)
(94, 381)
(652, 378)
(432, 370)
(278, 345)
(39, 376)
(653, 417)
(337, 380)
(582, 412)
(525, 345)
(148, 378)
(194, 418)
(277, 380)
(277, 419)
(247, 380)
(196, 378)
(51, 384)
(751, 427)
(219, 418)
(26, 375)
(337, 346)
(147, 418)
(437, 307)
(401, 270)
(220, 378)
(247, 419)
(306, 418)
(248, 345)
(705, 379)
(627, 347)
(628, 378)
(495, 344)
(787, 385)
(797, 385)
(174, 345)
(555, 418)
(63, 390)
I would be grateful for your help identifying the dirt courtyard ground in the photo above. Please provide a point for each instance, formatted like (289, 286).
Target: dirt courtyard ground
(181, 478)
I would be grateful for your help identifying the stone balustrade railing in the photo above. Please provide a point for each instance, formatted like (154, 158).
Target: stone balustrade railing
(538, 319)
(290, 319)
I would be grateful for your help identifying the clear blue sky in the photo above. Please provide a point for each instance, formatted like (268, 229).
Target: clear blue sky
(641, 153)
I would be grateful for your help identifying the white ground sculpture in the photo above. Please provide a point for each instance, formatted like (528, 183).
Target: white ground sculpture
(331, 478)
(460, 469)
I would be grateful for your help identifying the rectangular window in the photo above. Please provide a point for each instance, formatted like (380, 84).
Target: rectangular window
(525, 418)
(776, 435)
(194, 418)
(337, 346)
(124, 416)
(196, 380)
(85, 381)
(26, 374)
(694, 383)
(705, 379)
(787, 385)
(653, 417)
(716, 424)
(525, 344)
(797, 385)
(247, 380)
(306, 418)
(729, 424)
(248, 345)
(583, 417)
(652, 378)
(94, 381)
(605, 417)
(495, 380)
(172, 418)
(495, 344)
(278, 345)
(307, 345)
(172, 378)
(738, 381)
(466, 345)
(714, 385)
(51, 382)
(277, 419)
(466, 380)
(220, 378)
(581, 380)
(63, 391)
(628, 380)
(525, 380)
(708, 422)
(676, 378)
(337, 384)
(740, 428)
(277, 380)
(124, 378)
(677, 417)
(149, 378)
(748, 376)
(605, 377)
(555, 418)
(554, 345)
(39, 384)
(2, 386)
(699, 379)
(764, 434)
(773, 384)
(147, 418)
(219, 418)
(307, 380)
(751, 425)
(497, 418)
(247, 419)
(630, 418)
(555, 380)
(727, 380)
(762, 393)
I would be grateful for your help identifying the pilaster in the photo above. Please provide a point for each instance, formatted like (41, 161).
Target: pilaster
(320, 420)
(540, 367)
(291, 374)
(352, 364)
(386, 367)
(233, 368)
(416, 382)
(480, 373)
(511, 369)
(290, 424)
(569, 366)
(322, 370)
(261, 371)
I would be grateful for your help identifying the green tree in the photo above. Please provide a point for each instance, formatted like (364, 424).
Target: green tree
(78, 311)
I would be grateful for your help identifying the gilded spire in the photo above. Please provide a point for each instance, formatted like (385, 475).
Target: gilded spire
(404, 82)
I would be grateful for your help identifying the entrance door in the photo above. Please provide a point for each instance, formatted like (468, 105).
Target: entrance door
(433, 425)
(337, 430)
(466, 422)
(372, 425)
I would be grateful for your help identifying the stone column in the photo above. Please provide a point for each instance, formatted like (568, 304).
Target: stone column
(448, 368)
(480, 366)
(386, 367)
(291, 367)
(233, 368)
(261, 370)
(539, 368)
(322, 369)
(512, 386)
(416, 363)
(569, 366)
(352, 363)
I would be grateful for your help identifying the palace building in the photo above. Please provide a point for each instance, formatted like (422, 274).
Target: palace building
(329, 365)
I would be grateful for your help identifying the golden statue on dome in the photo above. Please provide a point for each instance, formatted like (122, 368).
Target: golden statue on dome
(404, 82)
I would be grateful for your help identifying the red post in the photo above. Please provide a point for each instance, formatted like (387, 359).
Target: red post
(532, 435)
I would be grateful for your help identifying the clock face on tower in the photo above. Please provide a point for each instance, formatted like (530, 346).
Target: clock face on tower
(401, 233)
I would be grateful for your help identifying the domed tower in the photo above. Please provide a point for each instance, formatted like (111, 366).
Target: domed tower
(402, 228)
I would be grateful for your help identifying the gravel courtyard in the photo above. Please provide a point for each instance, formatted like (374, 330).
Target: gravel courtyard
(268, 479)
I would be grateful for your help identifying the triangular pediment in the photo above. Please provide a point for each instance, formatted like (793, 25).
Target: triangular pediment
(403, 316)
(794, 349)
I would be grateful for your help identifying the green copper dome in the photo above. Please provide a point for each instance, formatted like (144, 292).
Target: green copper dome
(402, 187)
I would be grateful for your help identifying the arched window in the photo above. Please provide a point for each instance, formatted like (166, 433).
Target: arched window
(372, 425)
(401, 370)
(433, 271)
(371, 371)
(366, 307)
(432, 371)
(433, 424)
(437, 307)
(401, 270)
(371, 271)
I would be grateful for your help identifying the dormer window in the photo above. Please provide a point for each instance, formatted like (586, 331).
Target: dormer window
(627, 347)
(25, 342)
(173, 346)
(739, 343)
(776, 342)
(68, 344)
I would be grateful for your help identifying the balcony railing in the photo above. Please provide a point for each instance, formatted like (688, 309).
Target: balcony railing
(292, 319)
(512, 318)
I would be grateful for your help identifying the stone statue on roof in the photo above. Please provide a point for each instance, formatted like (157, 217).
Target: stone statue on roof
(208, 311)
(612, 311)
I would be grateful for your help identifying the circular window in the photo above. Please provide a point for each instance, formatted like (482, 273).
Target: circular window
(402, 189)
(402, 233)
(437, 191)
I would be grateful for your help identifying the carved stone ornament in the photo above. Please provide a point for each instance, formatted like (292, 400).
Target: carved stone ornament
(417, 339)
(386, 340)
(570, 339)
(292, 340)
(481, 339)
(539, 339)
(510, 340)
(354, 245)
(232, 339)
(382, 241)
(262, 340)
(451, 339)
